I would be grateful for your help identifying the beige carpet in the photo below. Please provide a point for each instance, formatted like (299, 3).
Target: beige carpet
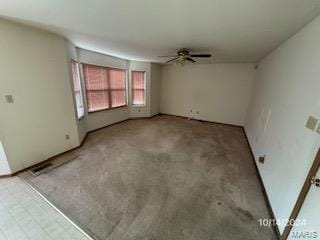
(164, 178)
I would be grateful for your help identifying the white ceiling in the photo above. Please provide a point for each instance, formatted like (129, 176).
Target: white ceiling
(232, 30)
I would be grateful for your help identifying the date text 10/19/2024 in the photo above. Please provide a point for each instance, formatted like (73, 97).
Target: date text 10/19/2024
(290, 222)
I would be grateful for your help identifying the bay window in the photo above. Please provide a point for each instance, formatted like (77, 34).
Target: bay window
(105, 87)
(138, 87)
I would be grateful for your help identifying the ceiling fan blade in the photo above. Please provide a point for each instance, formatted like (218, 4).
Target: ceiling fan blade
(190, 59)
(168, 56)
(201, 55)
(172, 60)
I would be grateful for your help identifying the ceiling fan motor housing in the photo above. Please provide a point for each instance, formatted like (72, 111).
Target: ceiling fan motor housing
(183, 52)
(183, 55)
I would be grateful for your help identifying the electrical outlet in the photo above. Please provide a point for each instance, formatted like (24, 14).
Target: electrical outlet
(67, 136)
(262, 159)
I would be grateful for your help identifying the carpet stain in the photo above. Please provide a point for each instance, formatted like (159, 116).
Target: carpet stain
(164, 178)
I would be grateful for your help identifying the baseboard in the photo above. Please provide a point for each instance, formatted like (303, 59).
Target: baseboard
(109, 125)
(72, 149)
(200, 120)
(7, 175)
(267, 200)
(134, 118)
(276, 227)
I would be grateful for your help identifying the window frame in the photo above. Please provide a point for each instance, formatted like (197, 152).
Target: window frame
(72, 61)
(144, 85)
(109, 90)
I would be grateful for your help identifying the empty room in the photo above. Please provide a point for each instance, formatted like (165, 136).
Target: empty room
(159, 120)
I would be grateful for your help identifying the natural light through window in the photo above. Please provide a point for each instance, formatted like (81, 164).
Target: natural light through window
(138, 88)
(105, 87)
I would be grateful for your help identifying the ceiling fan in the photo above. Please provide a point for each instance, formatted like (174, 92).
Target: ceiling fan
(184, 55)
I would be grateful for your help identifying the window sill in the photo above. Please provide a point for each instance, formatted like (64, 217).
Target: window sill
(138, 106)
(107, 109)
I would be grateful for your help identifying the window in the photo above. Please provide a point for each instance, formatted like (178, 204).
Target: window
(77, 88)
(138, 87)
(105, 87)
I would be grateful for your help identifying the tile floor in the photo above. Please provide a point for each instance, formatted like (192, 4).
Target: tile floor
(26, 215)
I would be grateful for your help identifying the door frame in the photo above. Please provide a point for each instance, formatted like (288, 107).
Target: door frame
(302, 195)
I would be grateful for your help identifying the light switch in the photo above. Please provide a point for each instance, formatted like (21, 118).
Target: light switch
(9, 98)
(312, 123)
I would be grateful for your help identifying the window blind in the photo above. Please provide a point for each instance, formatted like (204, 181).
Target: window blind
(105, 87)
(138, 87)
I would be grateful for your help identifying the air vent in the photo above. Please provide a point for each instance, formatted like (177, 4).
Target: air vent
(36, 171)
(54, 163)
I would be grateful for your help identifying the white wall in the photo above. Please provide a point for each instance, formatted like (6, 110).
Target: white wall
(155, 89)
(140, 111)
(104, 118)
(90, 57)
(4, 165)
(218, 92)
(288, 87)
(34, 70)
(100, 119)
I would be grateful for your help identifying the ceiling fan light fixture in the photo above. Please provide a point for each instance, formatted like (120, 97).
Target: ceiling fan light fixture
(182, 61)
(183, 56)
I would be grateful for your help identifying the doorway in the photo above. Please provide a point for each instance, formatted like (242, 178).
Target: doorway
(303, 222)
